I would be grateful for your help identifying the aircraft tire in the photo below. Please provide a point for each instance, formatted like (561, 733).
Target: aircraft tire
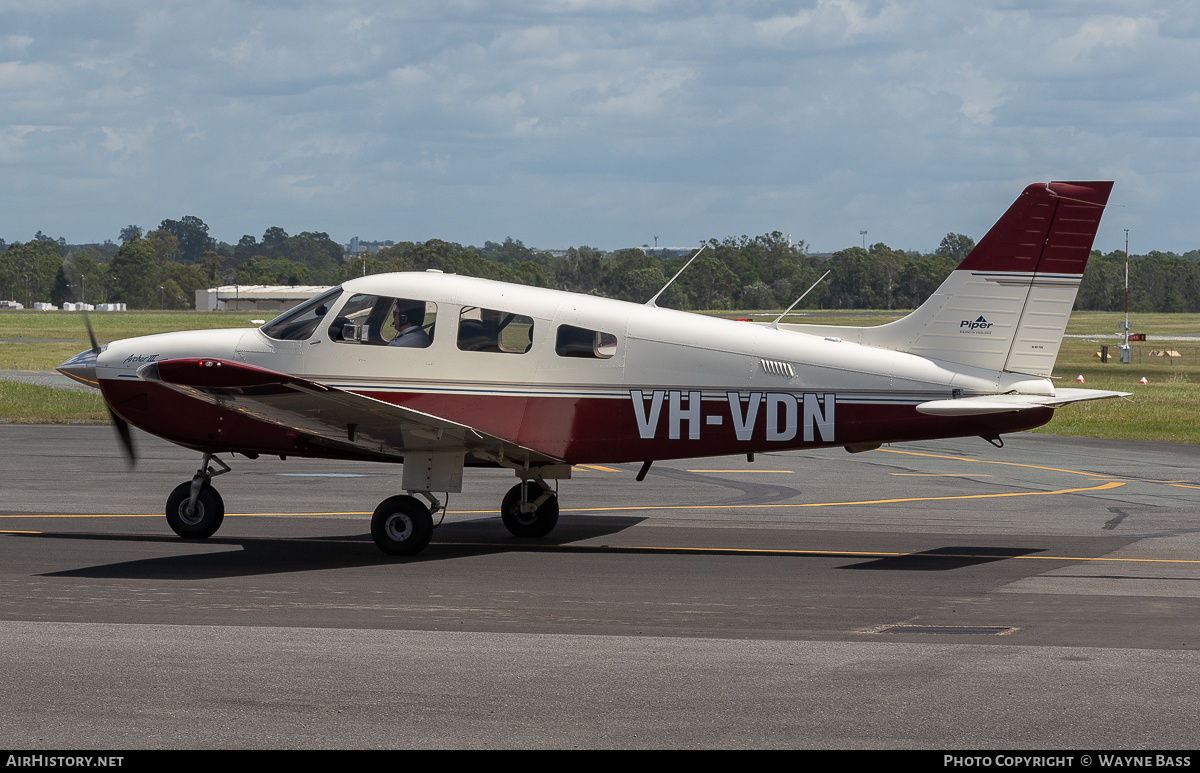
(204, 522)
(401, 526)
(529, 525)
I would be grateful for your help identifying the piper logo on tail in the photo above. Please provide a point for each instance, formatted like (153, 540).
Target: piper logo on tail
(978, 326)
(785, 415)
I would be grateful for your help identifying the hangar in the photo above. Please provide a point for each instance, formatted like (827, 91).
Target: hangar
(255, 297)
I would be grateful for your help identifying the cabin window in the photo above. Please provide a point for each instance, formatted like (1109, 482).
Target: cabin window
(488, 330)
(381, 320)
(571, 341)
(299, 323)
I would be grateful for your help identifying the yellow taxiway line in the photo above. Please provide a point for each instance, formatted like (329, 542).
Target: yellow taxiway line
(1101, 487)
(942, 475)
(816, 553)
(642, 508)
(789, 472)
(783, 552)
(1094, 475)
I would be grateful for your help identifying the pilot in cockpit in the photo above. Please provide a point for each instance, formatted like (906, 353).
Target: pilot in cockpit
(407, 318)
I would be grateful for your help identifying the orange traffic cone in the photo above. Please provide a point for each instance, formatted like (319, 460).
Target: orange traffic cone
(1143, 381)
(1080, 380)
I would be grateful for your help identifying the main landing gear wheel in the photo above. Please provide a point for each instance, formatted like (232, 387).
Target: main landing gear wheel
(526, 522)
(401, 526)
(206, 516)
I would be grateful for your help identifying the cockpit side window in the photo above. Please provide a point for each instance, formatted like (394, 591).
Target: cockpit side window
(385, 321)
(571, 341)
(299, 323)
(488, 330)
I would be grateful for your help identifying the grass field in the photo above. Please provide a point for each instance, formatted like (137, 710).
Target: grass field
(112, 325)
(53, 336)
(1163, 409)
(31, 404)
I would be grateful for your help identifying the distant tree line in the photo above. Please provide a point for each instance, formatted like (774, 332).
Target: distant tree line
(761, 272)
(163, 268)
(1158, 282)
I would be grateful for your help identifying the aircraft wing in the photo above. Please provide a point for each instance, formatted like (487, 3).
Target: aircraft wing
(976, 406)
(333, 417)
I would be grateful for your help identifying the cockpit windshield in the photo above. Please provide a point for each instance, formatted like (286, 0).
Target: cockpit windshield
(299, 323)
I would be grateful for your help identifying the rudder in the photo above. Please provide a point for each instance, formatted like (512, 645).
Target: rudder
(1007, 304)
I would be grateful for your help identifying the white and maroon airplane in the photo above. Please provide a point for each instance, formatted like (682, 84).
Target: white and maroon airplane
(440, 372)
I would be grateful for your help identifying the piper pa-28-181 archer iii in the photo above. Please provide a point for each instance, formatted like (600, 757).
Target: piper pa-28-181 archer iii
(440, 372)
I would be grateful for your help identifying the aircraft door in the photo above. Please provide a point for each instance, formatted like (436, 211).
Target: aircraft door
(381, 336)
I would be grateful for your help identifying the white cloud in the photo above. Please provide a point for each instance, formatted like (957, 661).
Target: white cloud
(1106, 32)
(125, 141)
(980, 96)
(564, 122)
(14, 44)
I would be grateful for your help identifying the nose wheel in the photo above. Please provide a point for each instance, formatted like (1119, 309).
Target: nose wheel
(204, 516)
(195, 509)
(529, 510)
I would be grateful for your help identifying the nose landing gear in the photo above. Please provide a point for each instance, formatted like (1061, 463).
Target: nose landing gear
(195, 509)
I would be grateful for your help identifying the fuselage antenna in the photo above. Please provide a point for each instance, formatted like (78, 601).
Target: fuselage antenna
(651, 302)
(775, 324)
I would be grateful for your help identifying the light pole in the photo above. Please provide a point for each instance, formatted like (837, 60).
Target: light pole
(863, 234)
(1126, 356)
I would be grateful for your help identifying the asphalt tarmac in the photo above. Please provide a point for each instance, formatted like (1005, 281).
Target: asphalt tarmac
(945, 595)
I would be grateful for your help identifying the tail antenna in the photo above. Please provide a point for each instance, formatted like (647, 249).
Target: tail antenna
(775, 325)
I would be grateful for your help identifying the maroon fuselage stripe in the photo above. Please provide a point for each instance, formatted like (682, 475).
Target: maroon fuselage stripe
(579, 430)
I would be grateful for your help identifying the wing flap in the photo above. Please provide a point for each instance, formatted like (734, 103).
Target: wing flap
(333, 415)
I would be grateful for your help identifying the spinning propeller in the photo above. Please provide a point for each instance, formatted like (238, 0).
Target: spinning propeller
(121, 425)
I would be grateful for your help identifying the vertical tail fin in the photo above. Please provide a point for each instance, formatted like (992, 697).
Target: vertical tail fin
(1007, 304)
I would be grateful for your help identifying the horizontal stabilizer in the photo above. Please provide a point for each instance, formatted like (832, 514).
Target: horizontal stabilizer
(978, 406)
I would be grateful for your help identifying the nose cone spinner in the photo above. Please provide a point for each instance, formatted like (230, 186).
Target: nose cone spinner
(81, 368)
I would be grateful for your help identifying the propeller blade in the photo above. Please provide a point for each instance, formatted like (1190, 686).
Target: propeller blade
(91, 334)
(122, 426)
(126, 436)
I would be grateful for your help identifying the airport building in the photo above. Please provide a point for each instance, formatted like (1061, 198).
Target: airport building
(255, 297)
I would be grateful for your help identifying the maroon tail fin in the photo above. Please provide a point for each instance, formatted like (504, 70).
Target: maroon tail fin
(1048, 229)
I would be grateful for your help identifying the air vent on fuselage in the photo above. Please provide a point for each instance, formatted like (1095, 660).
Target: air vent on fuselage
(777, 368)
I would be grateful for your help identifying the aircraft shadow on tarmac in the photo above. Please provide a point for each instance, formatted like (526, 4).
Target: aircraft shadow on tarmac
(218, 558)
(243, 557)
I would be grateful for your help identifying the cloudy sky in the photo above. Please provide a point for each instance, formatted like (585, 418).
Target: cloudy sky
(598, 122)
